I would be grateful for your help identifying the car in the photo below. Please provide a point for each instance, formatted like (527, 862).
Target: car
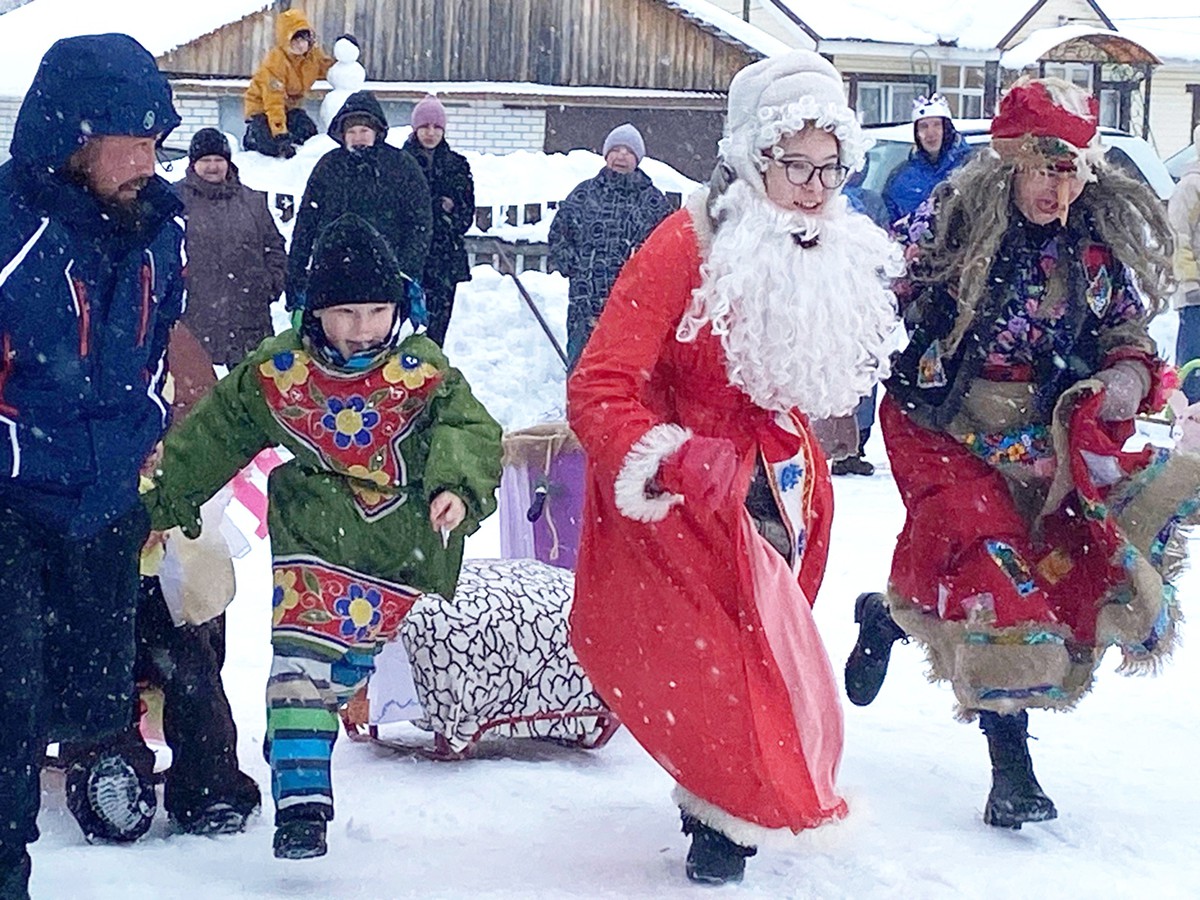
(894, 142)
(1177, 162)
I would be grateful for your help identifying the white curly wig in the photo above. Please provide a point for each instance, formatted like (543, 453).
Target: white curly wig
(781, 95)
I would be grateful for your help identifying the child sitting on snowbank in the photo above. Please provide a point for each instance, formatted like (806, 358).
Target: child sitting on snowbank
(395, 463)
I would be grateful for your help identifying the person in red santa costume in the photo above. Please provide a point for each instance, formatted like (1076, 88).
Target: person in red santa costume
(1034, 540)
(763, 302)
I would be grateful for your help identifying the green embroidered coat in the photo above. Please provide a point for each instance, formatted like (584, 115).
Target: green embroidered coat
(349, 515)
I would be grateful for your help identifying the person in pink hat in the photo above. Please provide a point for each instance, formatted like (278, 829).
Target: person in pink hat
(452, 191)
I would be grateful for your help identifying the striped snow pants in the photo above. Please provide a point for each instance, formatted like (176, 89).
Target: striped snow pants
(304, 692)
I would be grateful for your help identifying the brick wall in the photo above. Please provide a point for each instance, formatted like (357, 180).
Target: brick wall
(8, 118)
(487, 127)
(197, 112)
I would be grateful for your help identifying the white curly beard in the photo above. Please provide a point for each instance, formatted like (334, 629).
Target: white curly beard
(809, 328)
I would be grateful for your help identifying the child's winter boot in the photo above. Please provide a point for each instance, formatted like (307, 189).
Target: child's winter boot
(713, 858)
(1016, 797)
(300, 837)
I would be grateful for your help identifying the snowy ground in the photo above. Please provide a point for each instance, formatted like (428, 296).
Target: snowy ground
(533, 820)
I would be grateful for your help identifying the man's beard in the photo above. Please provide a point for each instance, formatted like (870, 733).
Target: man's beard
(808, 326)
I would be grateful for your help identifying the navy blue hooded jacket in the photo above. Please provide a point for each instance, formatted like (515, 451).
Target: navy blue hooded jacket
(88, 292)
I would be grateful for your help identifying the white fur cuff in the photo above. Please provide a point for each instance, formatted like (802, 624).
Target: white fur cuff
(737, 830)
(640, 466)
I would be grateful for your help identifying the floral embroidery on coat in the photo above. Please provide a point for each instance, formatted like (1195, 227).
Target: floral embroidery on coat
(319, 601)
(354, 423)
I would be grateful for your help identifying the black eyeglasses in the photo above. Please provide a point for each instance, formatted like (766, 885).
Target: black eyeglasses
(800, 172)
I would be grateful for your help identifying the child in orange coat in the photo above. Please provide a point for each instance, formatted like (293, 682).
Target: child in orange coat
(275, 118)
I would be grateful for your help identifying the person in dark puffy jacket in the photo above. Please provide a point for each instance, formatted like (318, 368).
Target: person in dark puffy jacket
(90, 285)
(599, 225)
(939, 150)
(236, 258)
(453, 194)
(371, 179)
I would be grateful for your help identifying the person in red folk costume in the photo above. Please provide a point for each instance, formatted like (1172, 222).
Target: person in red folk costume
(762, 302)
(1034, 539)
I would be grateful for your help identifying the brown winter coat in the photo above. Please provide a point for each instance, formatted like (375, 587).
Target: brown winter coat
(236, 265)
(283, 81)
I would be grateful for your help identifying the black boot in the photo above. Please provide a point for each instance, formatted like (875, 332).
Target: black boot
(111, 794)
(713, 858)
(1016, 797)
(852, 465)
(868, 662)
(300, 831)
(300, 839)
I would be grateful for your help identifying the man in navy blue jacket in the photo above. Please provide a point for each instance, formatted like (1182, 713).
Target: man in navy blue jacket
(90, 285)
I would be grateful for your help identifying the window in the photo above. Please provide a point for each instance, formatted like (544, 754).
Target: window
(1079, 74)
(962, 86)
(882, 101)
(1110, 108)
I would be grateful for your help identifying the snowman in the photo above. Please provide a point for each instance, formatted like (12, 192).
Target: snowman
(345, 77)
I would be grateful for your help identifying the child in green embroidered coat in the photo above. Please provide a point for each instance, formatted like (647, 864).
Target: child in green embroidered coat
(395, 463)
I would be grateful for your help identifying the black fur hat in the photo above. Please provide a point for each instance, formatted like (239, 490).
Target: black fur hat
(352, 263)
(209, 142)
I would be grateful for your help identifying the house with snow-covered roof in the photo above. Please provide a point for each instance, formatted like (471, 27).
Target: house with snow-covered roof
(544, 75)
(1140, 57)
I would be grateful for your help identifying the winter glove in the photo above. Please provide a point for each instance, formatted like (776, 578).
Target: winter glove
(838, 437)
(418, 313)
(1126, 383)
(703, 471)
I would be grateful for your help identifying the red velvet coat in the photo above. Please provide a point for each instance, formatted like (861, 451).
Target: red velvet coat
(689, 625)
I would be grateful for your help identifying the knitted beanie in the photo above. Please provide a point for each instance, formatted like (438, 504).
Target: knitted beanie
(429, 112)
(625, 136)
(209, 142)
(781, 95)
(352, 263)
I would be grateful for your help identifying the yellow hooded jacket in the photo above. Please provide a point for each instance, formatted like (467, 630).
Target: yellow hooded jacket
(283, 80)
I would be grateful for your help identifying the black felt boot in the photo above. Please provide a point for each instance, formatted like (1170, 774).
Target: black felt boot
(713, 858)
(1016, 797)
(868, 662)
(300, 831)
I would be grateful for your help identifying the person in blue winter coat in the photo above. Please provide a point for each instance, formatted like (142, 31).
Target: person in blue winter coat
(599, 226)
(939, 150)
(90, 286)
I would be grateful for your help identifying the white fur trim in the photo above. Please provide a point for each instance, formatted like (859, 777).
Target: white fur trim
(640, 466)
(782, 95)
(748, 834)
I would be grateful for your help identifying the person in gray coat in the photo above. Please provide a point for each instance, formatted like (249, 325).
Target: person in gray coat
(236, 259)
(599, 225)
